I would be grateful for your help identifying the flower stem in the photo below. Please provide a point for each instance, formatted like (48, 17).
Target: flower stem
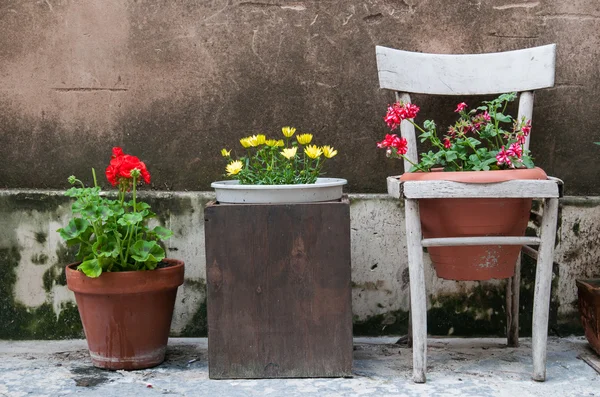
(94, 175)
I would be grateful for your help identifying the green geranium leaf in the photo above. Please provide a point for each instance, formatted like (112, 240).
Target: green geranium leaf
(528, 162)
(74, 229)
(131, 218)
(162, 232)
(106, 246)
(91, 268)
(147, 251)
(140, 206)
(451, 155)
(503, 118)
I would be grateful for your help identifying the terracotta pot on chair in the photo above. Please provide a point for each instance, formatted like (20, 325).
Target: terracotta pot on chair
(474, 218)
(126, 316)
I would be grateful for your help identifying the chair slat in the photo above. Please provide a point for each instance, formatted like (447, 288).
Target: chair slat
(447, 189)
(469, 74)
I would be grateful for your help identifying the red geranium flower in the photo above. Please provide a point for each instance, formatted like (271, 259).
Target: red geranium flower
(460, 107)
(503, 157)
(122, 164)
(515, 150)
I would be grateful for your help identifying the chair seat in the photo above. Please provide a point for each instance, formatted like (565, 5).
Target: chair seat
(521, 188)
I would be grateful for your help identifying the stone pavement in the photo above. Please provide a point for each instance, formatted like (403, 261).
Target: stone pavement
(456, 367)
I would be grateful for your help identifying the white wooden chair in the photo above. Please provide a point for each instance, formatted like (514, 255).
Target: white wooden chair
(480, 74)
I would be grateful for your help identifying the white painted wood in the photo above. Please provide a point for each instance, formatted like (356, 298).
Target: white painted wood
(526, 110)
(407, 131)
(510, 189)
(393, 186)
(418, 298)
(469, 74)
(530, 252)
(513, 289)
(466, 241)
(543, 282)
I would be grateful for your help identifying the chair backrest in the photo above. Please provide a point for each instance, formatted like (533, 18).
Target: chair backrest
(471, 74)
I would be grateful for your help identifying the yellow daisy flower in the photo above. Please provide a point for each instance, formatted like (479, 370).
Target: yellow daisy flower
(313, 151)
(234, 167)
(304, 139)
(245, 142)
(280, 143)
(288, 131)
(225, 153)
(328, 151)
(289, 153)
(271, 142)
(256, 140)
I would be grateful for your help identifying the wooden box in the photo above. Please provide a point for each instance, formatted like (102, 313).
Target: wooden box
(279, 290)
(588, 296)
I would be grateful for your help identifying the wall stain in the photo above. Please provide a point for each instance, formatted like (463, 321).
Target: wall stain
(20, 322)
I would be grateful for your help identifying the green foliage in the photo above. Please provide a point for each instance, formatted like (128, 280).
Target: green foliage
(112, 234)
(482, 139)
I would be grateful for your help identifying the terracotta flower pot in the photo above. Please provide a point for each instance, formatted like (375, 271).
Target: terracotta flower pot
(588, 294)
(474, 218)
(126, 316)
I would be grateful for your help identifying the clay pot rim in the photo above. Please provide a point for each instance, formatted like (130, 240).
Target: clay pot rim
(128, 282)
(492, 176)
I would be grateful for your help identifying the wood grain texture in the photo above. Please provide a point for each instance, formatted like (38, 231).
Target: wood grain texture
(279, 290)
(407, 131)
(543, 284)
(513, 293)
(509, 189)
(469, 74)
(418, 296)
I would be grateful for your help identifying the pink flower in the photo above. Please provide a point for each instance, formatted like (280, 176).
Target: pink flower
(452, 132)
(486, 116)
(460, 107)
(521, 139)
(387, 141)
(393, 141)
(447, 143)
(398, 112)
(503, 157)
(394, 116)
(411, 110)
(515, 150)
(474, 127)
(526, 129)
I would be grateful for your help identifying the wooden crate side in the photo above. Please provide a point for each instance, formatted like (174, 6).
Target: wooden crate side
(279, 290)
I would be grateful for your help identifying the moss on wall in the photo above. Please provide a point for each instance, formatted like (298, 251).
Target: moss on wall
(20, 322)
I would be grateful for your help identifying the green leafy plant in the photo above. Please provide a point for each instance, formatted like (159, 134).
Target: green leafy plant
(112, 234)
(482, 139)
(278, 161)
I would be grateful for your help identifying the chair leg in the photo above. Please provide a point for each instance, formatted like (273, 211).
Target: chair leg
(513, 285)
(418, 300)
(543, 283)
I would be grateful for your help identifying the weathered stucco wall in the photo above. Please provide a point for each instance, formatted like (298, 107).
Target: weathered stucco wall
(173, 81)
(36, 304)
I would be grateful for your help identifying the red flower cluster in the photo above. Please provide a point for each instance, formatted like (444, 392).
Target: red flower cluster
(122, 164)
(398, 112)
(510, 156)
(394, 141)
